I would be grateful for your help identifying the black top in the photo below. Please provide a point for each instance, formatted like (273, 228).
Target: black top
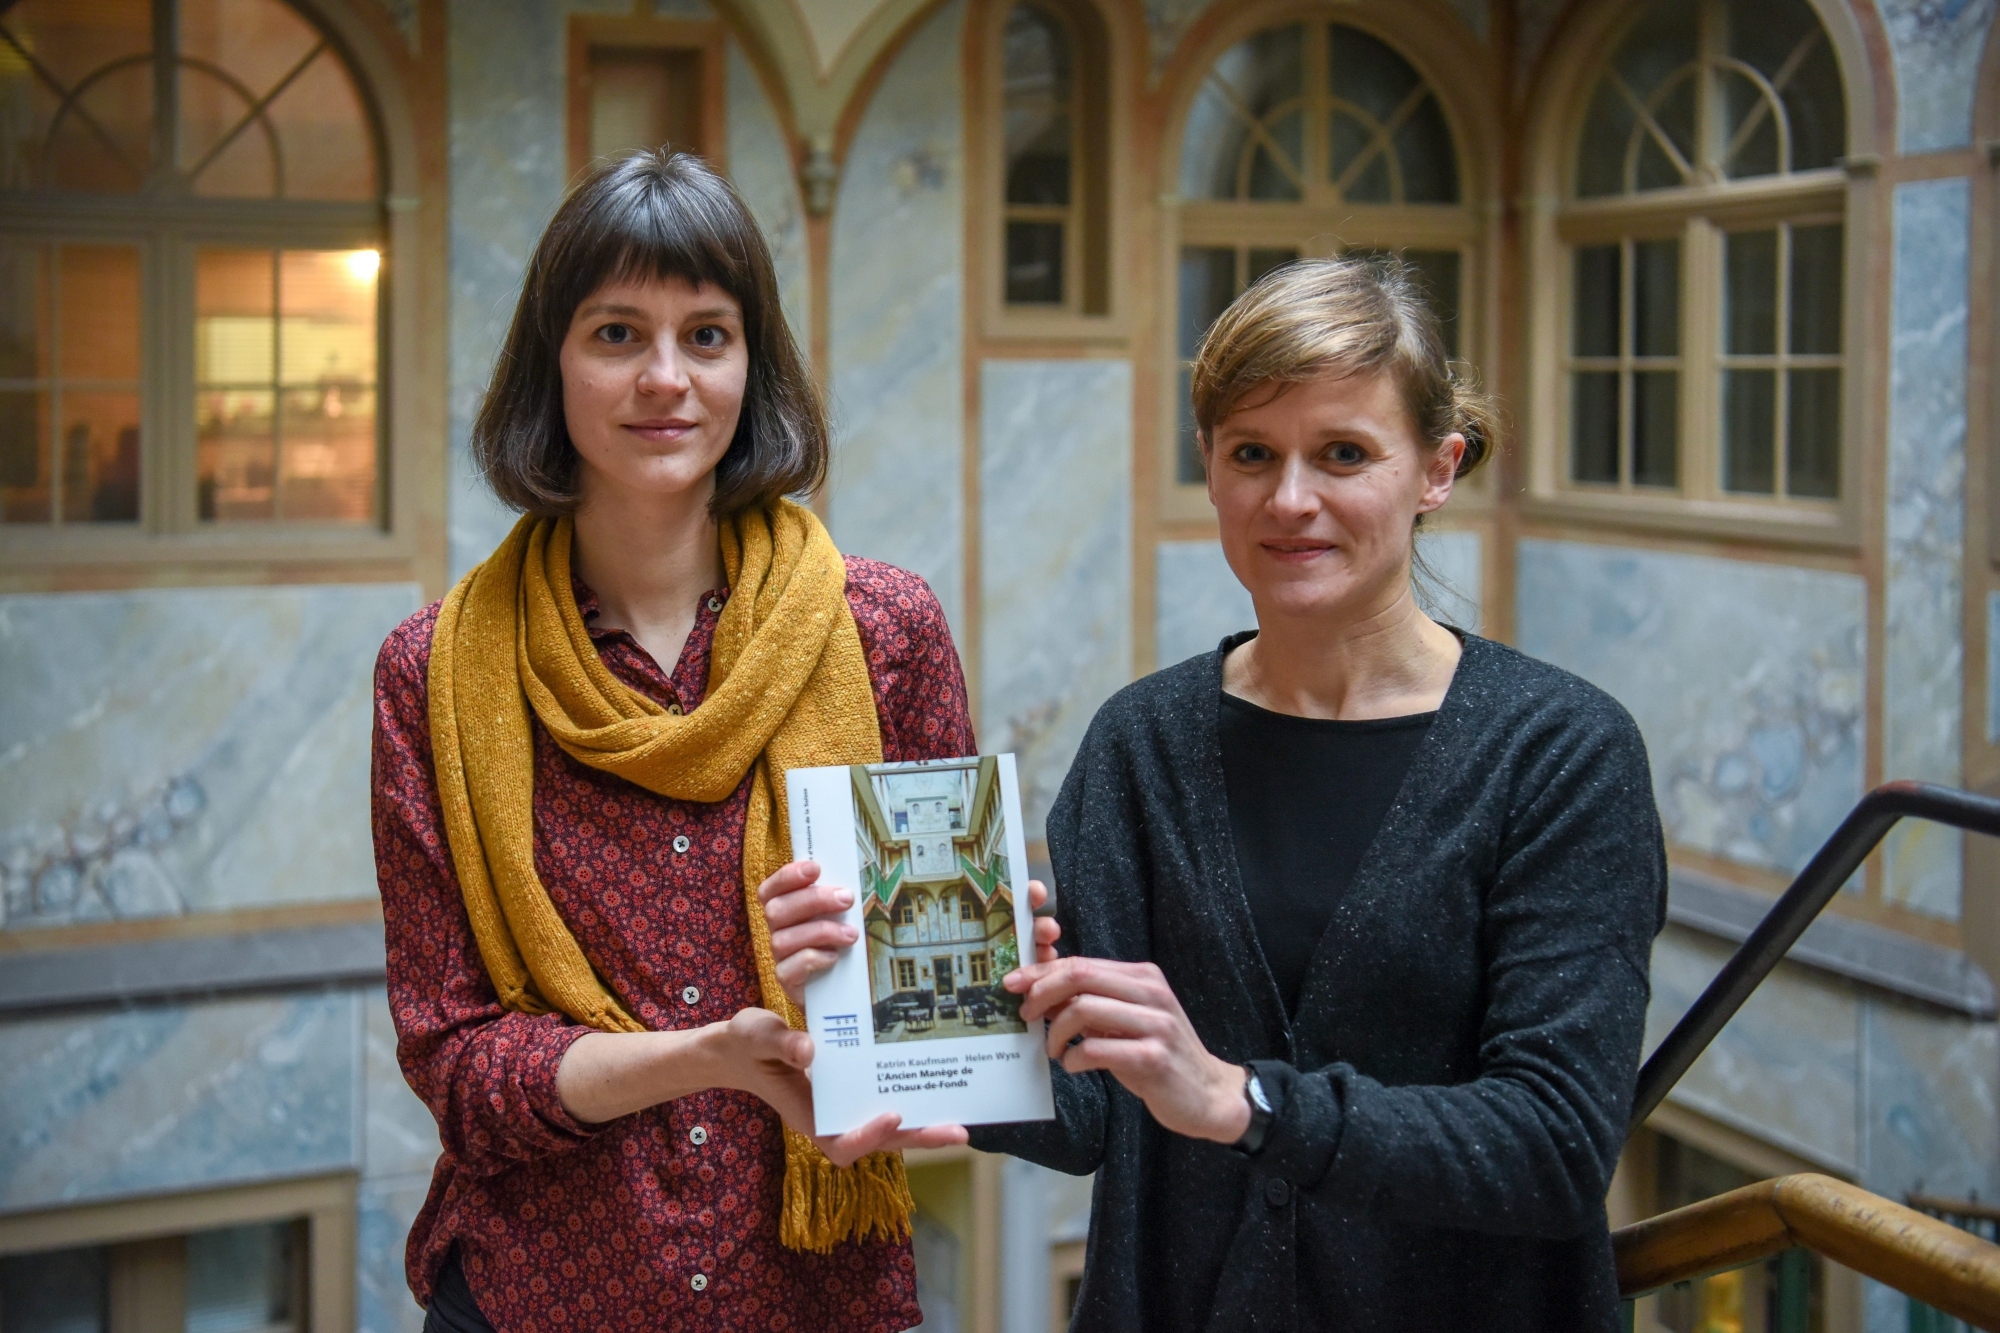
(1451, 1094)
(1306, 796)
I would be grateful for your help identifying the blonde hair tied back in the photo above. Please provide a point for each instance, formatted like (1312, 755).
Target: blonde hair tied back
(1342, 317)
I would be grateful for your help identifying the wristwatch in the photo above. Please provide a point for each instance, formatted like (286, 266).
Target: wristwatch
(1260, 1113)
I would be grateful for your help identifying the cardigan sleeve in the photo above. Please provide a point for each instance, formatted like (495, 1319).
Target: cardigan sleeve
(488, 1075)
(1528, 1146)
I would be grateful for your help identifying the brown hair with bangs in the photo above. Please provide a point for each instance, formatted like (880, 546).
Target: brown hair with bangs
(1340, 317)
(656, 214)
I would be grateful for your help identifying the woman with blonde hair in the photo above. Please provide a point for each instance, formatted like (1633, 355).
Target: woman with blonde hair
(579, 809)
(1358, 907)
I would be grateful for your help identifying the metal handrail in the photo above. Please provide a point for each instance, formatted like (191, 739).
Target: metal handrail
(1830, 868)
(1945, 1268)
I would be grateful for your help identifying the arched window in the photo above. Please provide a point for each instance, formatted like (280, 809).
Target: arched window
(1704, 226)
(190, 242)
(1304, 140)
(1053, 128)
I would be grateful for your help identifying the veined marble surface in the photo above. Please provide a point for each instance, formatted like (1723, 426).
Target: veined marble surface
(1937, 46)
(399, 1144)
(155, 1099)
(897, 321)
(1923, 668)
(1198, 600)
(760, 167)
(509, 166)
(1786, 1069)
(181, 750)
(1055, 565)
(1746, 679)
(383, 1303)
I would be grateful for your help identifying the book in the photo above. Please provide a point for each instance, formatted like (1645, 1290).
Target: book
(912, 1017)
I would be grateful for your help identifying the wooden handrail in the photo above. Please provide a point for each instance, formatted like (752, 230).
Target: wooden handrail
(1945, 1268)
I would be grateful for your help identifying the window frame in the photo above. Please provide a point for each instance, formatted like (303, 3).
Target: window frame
(1093, 244)
(1429, 43)
(1556, 222)
(406, 539)
(327, 1205)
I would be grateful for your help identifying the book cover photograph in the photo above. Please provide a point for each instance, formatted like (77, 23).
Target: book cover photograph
(913, 1018)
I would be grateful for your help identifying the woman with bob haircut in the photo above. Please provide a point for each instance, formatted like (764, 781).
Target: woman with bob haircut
(579, 808)
(1358, 908)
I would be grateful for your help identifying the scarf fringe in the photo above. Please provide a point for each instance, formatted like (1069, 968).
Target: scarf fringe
(826, 1205)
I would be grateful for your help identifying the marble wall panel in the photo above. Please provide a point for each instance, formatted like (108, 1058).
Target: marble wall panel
(1746, 680)
(896, 321)
(1197, 600)
(1932, 1114)
(383, 1303)
(1923, 671)
(169, 751)
(1784, 1070)
(155, 1099)
(1449, 581)
(399, 1136)
(1055, 506)
(1937, 46)
(760, 166)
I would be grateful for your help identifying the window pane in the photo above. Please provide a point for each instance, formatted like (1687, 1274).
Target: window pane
(1816, 287)
(1674, 115)
(100, 439)
(243, 1279)
(102, 139)
(1752, 146)
(1750, 293)
(24, 309)
(1594, 426)
(1263, 261)
(236, 454)
(1360, 171)
(1812, 433)
(1035, 263)
(1656, 428)
(1424, 150)
(1264, 74)
(1653, 69)
(1656, 298)
(1368, 74)
(235, 325)
(1268, 178)
(1607, 132)
(98, 312)
(1038, 98)
(27, 488)
(326, 340)
(1438, 275)
(313, 140)
(64, 1291)
(1208, 285)
(1596, 301)
(1749, 426)
(1783, 41)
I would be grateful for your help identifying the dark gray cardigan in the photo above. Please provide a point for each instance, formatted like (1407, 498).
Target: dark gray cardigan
(1455, 1086)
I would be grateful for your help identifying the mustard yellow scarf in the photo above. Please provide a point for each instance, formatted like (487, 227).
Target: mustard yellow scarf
(788, 687)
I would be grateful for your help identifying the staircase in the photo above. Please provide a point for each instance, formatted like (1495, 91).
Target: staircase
(1949, 1270)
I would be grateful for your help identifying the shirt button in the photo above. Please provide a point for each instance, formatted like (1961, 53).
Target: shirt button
(680, 842)
(674, 709)
(698, 1135)
(690, 995)
(715, 603)
(699, 1282)
(1277, 1194)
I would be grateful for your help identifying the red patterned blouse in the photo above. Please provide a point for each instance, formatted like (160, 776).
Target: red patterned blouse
(668, 1218)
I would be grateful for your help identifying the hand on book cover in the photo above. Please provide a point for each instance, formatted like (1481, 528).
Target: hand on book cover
(1125, 1019)
(807, 932)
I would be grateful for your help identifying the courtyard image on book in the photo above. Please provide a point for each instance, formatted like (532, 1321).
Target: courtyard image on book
(939, 899)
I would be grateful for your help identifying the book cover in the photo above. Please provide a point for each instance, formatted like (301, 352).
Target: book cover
(912, 1018)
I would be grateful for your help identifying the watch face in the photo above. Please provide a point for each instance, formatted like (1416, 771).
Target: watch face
(1254, 1087)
